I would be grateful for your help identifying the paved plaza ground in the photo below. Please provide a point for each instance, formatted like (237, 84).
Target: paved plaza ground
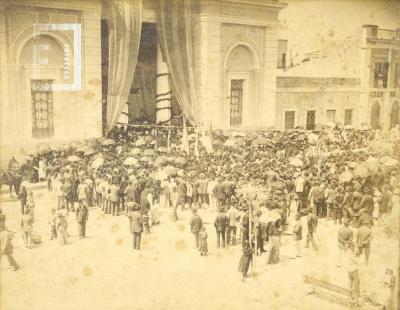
(104, 272)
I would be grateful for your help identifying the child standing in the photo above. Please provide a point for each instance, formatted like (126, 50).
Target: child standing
(146, 222)
(52, 222)
(203, 241)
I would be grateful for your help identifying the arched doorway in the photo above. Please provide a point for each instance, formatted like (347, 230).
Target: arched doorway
(239, 64)
(375, 115)
(395, 114)
(41, 62)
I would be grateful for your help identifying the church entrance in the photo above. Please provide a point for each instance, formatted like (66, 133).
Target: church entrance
(238, 85)
(236, 103)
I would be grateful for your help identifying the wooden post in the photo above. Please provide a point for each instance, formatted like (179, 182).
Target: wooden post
(251, 217)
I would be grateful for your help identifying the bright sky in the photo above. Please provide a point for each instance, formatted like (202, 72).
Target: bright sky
(305, 22)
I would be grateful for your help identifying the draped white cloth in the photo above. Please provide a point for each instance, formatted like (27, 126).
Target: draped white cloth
(125, 25)
(175, 28)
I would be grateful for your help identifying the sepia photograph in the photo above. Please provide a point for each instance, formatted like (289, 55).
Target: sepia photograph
(199, 154)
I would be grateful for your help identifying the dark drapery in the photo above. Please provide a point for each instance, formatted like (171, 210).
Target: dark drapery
(175, 36)
(125, 23)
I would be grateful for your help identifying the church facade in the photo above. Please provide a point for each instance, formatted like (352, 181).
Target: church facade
(52, 76)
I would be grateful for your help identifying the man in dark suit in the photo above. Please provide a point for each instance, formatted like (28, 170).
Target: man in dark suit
(137, 227)
(82, 215)
(6, 247)
(229, 188)
(23, 195)
(202, 189)
(221, 223)
(219, 192)
(312, 223)
(195, 226)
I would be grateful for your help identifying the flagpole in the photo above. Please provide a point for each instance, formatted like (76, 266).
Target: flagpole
(169, 140)
(155, 139)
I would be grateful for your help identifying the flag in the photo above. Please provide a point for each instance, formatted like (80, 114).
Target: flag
(196, 146)
(206, 140)
(185, 138)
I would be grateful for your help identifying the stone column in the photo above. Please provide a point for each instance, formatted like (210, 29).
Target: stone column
(163, 97)
(91, 104)
(268, 110)
(4, 113)
(363, 112)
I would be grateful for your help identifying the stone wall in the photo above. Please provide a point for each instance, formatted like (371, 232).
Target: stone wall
(302, 94)
(77, 114)
(221, 26)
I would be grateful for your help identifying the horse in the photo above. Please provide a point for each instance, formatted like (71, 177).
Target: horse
(11, 179)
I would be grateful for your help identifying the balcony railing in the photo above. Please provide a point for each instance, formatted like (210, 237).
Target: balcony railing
(386, 34)
(380, 92)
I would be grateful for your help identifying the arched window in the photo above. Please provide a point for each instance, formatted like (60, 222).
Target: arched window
(45, 50)
(395, 114)
(240, 57)
(240, 60)
(375, 115)
(47, 53)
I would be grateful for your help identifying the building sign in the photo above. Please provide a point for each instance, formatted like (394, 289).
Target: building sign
(40, 55)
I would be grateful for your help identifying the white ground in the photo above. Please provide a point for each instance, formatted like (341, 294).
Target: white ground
(104, 272)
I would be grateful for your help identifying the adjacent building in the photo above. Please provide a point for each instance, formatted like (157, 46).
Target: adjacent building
(352, 82)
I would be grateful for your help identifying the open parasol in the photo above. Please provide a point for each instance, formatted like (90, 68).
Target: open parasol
(147, 159)
(362, 171)
(312, 138)
(140, 142)
(130, 161)
(135, 151)
(149, 152)
(181, 161)
(73, 158)
(86, 150)
(296, 162)
(388, 161)
(345, 176)
(161, 160)
(108, 142)
(352, 164)
(170, 171)
(162, 149)
(373, 164)
(97, 162)
(230, 143)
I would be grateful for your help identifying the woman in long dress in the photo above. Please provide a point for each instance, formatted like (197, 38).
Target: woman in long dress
(27, 227)
(293, 209)
(203, 248)
(30, 204)
(274, 242)
(42, 169)
(246, 258)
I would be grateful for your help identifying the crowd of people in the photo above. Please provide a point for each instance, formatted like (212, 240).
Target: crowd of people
(260, 184)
